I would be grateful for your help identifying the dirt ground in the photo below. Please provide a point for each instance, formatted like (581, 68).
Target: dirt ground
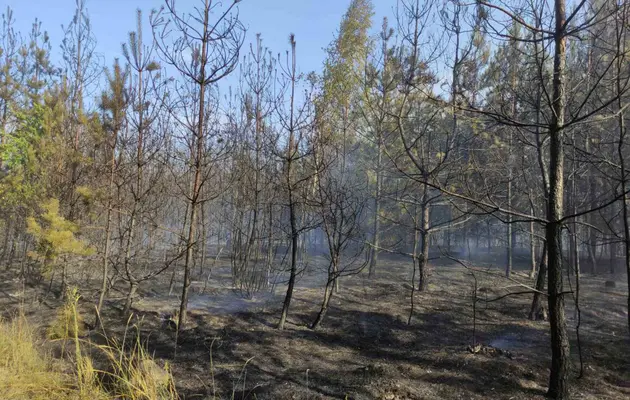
(365, 349)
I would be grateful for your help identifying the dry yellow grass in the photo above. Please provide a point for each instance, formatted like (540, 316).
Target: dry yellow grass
(28, 372)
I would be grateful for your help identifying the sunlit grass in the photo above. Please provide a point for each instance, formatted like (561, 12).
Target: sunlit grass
(27, 371)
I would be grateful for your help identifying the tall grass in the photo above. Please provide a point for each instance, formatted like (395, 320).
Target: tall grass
(25, 372)
(28, 372)
(134, 374)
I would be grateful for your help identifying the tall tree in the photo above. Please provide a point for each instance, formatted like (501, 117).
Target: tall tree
(114, 103)
(296, 122)
(343, 72)
(559, 373)
(213, 46)
(379, 91)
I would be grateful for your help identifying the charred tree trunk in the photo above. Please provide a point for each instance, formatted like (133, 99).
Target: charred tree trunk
(64, 280)
(204, 244)
(7, 237)
(105, 266)
(293, 270)
(328, 292)
(377, 210)
(532, 246)
(592, 246)
(559, 374)
(423, 258)
(621, 63)
(131, 293)
(198, 163)
(414, 260)
(108, 228)
(509, 234)
(292, 201)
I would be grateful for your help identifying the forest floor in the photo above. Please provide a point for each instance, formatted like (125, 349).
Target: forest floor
(365, 349)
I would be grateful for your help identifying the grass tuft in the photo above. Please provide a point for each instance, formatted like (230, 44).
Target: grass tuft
(27, 372)
(69, 323)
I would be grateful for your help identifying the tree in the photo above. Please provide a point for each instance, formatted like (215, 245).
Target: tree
(379, 89)
(558, 385)
(340, 201)
(428, 147)
(339, 106)
(113, 103)
(259, 73)
(297, 124)
(81, 69)
(620, 85)
(213, 46)
(141, 148)
(9, 43)
(56, 238)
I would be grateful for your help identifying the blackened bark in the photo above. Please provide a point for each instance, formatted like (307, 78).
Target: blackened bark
(537, 311)
(559, 373)
(423, 258)
(324, 308)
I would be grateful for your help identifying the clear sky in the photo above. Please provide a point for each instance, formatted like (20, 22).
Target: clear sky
(314, 22)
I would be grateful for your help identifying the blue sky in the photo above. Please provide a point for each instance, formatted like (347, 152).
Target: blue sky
(314, 22)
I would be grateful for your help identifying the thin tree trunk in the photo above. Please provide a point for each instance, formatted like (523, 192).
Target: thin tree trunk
(423, 259)
(559, 373)
(52, 278)
(192, 230)
(270, 248)
(171, 284)
(574, 236)
(196, 184)
(64, 280)
(510, 228)
(489, 236)
(328, 292)
(509, 233)
(12, 248)
(414, 259)
(537, 310)
(621, 43)
(592, 237)
(5, 246)
(337, 280)
(292, 202)
(377, 211)
(23, 260)
(612, 255)
(204, 238)
(626, 231)
(108, 231)
(293, 271)
(105, 267)
(532, 246)
(131, 293)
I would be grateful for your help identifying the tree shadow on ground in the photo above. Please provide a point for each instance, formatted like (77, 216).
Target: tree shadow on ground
(376, 344)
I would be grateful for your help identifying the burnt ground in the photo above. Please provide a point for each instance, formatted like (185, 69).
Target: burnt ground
(365, 349)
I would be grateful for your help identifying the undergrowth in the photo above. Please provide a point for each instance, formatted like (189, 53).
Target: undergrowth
(27, 371)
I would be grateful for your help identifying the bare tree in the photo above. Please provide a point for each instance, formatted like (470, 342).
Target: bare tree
(295, 115)
(340, 202)
(204, 48)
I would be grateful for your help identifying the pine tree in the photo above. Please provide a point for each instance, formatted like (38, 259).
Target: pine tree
(114, 104)
(56, 238)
